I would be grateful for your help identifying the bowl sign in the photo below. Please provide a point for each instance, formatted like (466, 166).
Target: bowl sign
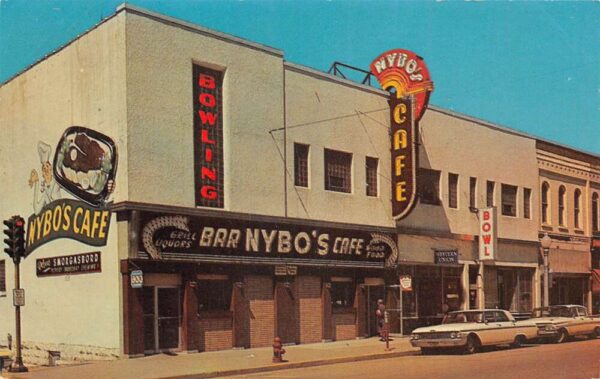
(137, 279)
(406, 283)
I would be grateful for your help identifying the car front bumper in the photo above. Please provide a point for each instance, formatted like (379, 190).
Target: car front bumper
(439, 342)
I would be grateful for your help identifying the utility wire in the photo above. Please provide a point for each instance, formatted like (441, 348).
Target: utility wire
(288, 173)
(328, 119)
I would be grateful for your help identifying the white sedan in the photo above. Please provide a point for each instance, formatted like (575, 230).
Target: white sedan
(472, 329)
(559, 322)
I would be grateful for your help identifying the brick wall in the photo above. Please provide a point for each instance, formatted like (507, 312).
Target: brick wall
(215, 333)
(344, 327)
(259, 294)
(309, 306)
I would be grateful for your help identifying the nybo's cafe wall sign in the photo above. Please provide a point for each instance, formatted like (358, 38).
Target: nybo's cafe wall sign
(405, 75)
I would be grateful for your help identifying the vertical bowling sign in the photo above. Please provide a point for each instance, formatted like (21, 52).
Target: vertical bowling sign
(208, 137)
(405, 75)
(487, 233)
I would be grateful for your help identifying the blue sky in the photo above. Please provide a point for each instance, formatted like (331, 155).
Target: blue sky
(530, 66)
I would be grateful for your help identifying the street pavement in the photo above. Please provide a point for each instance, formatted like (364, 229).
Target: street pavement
(226, 362)
(572, 360)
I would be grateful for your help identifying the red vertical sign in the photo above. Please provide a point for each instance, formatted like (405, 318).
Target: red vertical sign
(208, 137)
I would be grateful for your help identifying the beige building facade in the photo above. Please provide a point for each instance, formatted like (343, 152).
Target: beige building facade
(189, 190)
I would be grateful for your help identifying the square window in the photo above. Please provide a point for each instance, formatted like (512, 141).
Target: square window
(342, 294)
(214, 295)
(338, 171)
(509, 200)
(428, 186)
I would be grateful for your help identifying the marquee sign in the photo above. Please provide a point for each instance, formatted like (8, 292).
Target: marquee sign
(405, 75)
(183, 237)
(208, 137)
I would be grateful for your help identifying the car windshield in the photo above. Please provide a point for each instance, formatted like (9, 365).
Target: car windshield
(462, 317)
(552, 312)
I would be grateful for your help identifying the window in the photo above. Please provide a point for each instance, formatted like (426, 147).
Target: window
(452, 190)
(371, 164)
(214, 294)
(577, 208)
(545, 190)
(561, 205)
(509, 200)
(2, 276)
(338, 166)
(428, 186)
(473, 192)
(301, 165)
(490, 194)
(526, 202)
(342, 293)
(595, 212)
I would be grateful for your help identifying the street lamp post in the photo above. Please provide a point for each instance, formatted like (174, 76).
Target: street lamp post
(546, 241)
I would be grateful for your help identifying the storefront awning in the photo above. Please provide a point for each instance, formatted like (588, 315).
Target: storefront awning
(596, 281)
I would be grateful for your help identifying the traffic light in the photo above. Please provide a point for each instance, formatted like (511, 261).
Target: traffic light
(10, 241)
(15, 230)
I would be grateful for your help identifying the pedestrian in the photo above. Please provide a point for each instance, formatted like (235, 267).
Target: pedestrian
(380, 313)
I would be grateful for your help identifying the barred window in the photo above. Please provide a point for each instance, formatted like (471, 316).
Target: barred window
(490, 193)
(371, 164)
(509, 200)
(473, 192)
(338, 169)
(527, 202)
(428, 186)
(452, 190)
(301, 165)
(2, 276)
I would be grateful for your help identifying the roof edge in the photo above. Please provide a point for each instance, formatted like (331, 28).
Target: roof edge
(198, 29)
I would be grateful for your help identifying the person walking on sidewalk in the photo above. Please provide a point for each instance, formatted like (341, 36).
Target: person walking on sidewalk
(380, 314)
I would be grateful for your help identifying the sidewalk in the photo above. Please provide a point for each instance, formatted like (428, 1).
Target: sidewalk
(227, 362)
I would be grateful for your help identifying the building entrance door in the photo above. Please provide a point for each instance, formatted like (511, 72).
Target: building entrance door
(287, 312)
(374, 292)
(162, 319)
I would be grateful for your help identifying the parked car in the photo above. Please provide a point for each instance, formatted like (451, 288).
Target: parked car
(472, 329)
(559, 322)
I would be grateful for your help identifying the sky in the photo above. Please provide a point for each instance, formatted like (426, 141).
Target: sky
(530, 66)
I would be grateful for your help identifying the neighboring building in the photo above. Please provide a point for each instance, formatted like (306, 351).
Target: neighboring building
(462, 163)
(189, 190)
(569, 185)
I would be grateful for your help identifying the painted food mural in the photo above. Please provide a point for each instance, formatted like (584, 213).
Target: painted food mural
(85, 164)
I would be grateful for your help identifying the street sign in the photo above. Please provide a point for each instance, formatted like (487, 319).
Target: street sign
(19, 297)
(406, 283)
(137, 279)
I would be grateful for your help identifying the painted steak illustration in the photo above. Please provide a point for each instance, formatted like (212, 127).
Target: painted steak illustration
(85, 163)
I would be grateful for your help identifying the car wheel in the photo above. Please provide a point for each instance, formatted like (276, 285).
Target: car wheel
(596, 333)
(472, 344)
(561, 337)
(518, 342)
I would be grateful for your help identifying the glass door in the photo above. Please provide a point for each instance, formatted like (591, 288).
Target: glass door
(162, 318)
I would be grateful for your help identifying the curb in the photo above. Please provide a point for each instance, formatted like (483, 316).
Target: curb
(287, 366)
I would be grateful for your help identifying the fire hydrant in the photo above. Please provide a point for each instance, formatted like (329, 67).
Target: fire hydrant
(278, 350)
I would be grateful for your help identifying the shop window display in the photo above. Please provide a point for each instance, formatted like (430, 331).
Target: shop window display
(342, 294)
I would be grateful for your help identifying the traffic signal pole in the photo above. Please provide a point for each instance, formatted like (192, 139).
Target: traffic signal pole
(15, 231)
(18, 365)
